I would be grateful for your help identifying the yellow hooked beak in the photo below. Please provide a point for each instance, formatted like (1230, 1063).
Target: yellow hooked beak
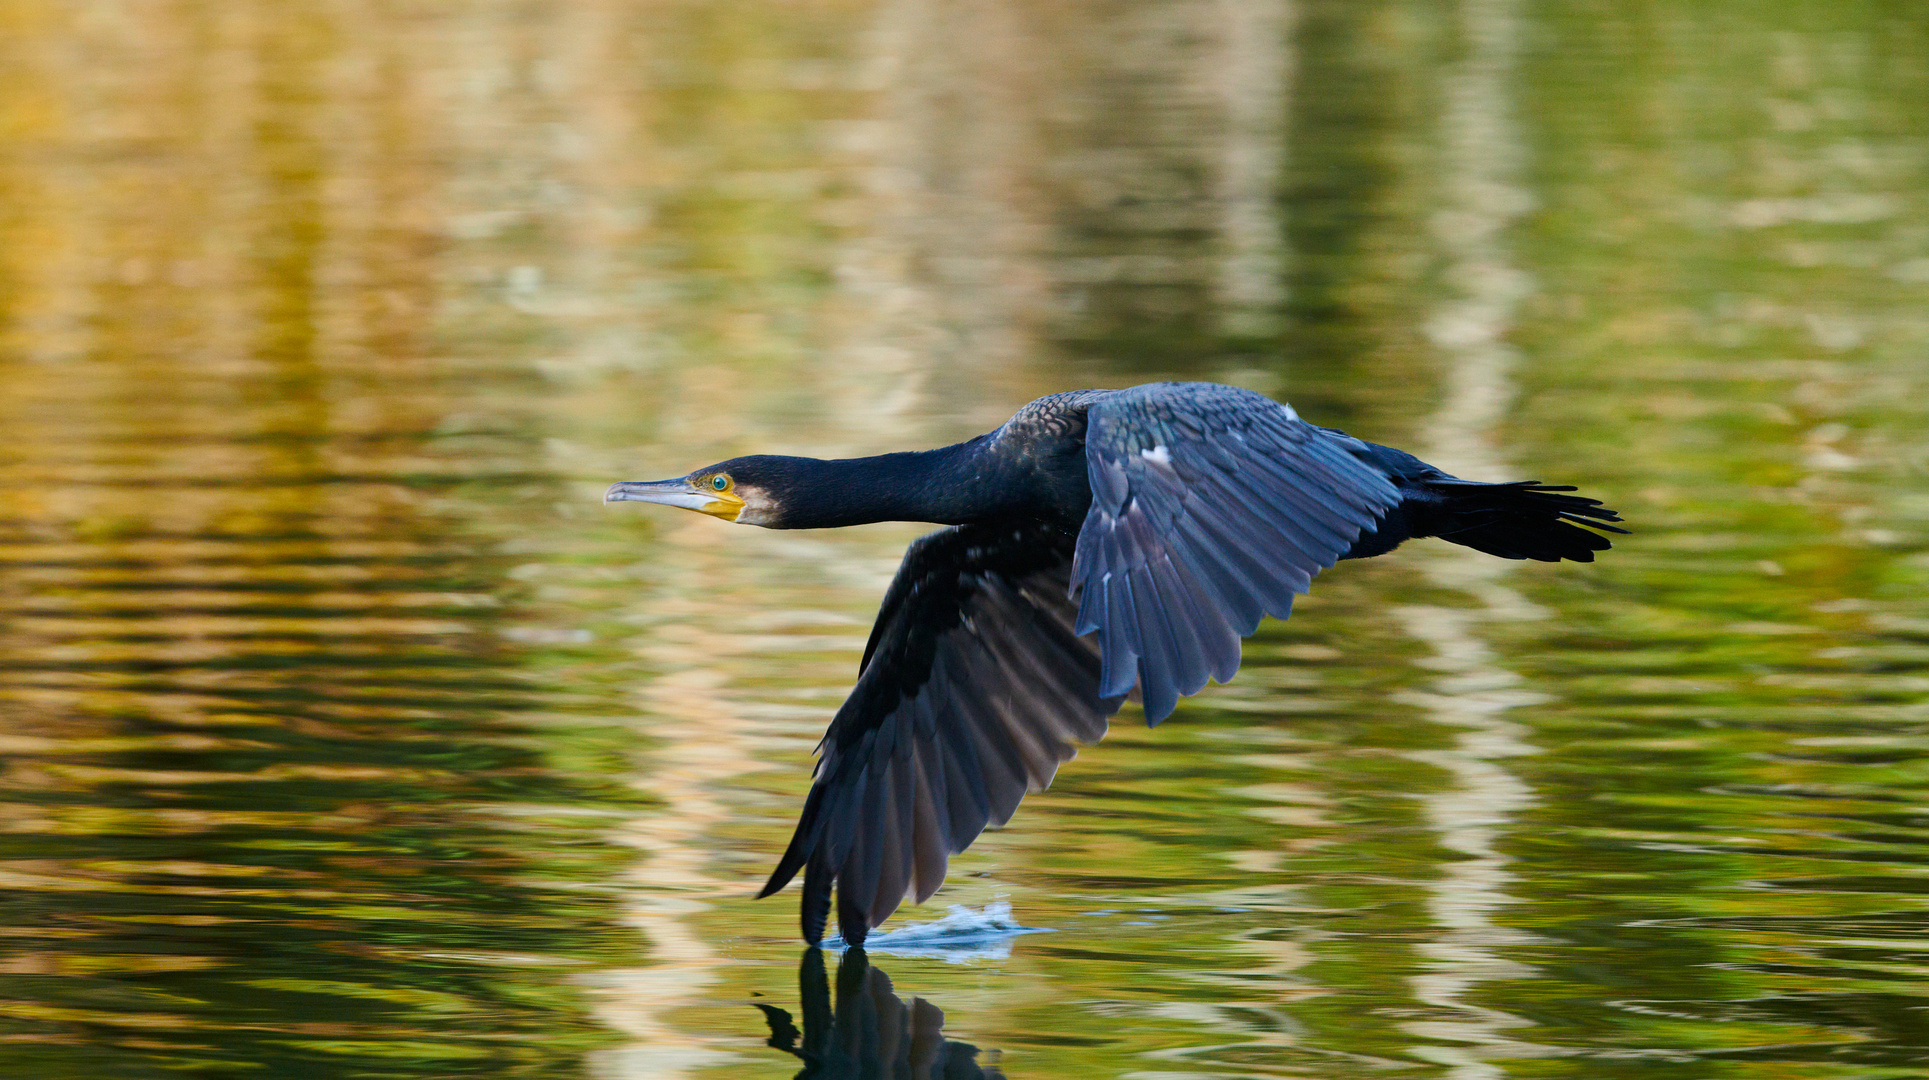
(678, 492)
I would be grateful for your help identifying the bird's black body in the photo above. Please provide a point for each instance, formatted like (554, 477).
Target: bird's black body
(1101, 543)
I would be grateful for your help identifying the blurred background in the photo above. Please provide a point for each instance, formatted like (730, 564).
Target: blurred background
(345, 734)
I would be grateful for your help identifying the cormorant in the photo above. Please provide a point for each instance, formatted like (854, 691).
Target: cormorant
(1101, 542)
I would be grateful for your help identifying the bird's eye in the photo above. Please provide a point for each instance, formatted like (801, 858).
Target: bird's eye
(720, 482)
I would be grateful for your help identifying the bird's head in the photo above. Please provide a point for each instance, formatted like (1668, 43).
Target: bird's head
(744, 490)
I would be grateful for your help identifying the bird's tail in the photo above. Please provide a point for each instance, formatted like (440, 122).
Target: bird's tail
(1525, 519)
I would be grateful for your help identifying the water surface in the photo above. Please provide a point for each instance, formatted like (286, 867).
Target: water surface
(345, 734)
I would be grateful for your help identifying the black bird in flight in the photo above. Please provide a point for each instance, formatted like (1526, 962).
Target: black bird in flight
(1101, 541)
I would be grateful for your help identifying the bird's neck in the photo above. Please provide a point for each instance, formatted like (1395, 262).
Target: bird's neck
(952, 485)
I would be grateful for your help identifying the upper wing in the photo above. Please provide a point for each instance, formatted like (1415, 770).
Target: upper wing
(1210, 506)
(974, 689)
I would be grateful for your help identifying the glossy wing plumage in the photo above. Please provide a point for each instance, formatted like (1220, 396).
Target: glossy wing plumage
(1211, 506)
(974, 689)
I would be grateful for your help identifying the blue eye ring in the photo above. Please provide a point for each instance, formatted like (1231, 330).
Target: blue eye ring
(720, 482)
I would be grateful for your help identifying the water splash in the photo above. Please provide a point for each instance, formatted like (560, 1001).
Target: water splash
(962, 934)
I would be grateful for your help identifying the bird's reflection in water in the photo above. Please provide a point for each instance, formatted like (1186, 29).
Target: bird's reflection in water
(871, 1032)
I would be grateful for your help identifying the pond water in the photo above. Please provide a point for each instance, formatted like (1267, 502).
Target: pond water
(346, 734)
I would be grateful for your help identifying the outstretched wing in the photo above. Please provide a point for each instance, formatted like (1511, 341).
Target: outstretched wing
(1211, 506)
(974, 689)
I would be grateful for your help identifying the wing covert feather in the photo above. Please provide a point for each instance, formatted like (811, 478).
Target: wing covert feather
(1211, 506)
